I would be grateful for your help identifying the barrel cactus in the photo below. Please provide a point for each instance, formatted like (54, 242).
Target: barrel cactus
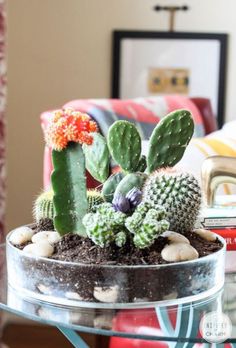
(43, 206)
(179, 193)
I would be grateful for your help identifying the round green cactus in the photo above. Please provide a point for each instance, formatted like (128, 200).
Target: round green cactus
(179, 193)
(43, 206)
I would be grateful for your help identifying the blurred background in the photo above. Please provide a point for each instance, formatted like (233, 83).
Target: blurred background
(60, 50)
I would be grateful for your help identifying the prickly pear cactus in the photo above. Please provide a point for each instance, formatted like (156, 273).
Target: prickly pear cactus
(124, 143)
(169, 140)
(142, 165)
(110, 186)
(179, 193)
(69, 187)
(97, 158)
(43, 206)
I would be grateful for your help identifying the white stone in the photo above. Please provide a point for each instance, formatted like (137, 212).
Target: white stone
(73, 296)
(49, 236)
(171, 296)
(205, 234)
(44, 289)
(175, 237)
(109, 295)
(21, 235)
(42, 248)
(179, 252)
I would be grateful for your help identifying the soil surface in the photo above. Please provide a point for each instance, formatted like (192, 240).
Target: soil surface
(76, 249)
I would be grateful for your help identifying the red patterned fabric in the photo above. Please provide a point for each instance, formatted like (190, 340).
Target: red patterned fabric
(144, 112)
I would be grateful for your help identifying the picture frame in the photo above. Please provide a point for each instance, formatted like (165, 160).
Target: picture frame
(149, 63)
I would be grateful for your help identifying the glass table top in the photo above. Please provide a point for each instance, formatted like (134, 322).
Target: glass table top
(169, 323)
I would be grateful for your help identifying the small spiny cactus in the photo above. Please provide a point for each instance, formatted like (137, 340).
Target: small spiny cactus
(43, 206)
(179, 193)
(94, 198)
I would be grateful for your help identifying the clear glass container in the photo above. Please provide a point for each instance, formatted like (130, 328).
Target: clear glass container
(113, 286)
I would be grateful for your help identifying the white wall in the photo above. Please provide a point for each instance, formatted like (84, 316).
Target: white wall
(61, 49)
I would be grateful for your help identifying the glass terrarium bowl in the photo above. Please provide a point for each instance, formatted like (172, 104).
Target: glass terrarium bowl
(113, 286)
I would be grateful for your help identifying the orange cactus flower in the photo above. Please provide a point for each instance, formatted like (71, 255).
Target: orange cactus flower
(69, 125)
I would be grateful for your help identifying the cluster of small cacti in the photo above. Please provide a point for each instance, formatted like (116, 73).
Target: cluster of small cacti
(104, 226)
(140, 200)
(108, 225)
(146, 224)
(179, 193)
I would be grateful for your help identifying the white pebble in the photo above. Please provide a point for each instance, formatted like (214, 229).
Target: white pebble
(205, 234)
(44, 289)
(49, 236)
(21, 235)
(73, 296)
(42, 248)
(179, 252)
(175, 237)
(109, 295)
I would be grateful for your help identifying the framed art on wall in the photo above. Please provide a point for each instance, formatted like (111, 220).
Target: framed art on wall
(159, 63)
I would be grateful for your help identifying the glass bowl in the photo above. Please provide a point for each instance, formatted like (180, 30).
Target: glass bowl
(113, 286)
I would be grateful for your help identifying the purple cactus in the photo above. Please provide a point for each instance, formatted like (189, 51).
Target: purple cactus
(134, 196)
(128, 203)
(121, 203)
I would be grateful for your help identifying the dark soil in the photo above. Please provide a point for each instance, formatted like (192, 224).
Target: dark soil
(76, 249)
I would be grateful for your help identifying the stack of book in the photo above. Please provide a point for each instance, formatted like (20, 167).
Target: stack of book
(221, 219)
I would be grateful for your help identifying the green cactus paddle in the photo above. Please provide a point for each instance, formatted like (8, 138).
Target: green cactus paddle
(169, 140)
(97, 157)
(124, 143)
(69, 184)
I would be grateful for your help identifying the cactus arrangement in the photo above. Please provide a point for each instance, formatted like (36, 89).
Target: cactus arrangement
(179, 193)
(135, 205)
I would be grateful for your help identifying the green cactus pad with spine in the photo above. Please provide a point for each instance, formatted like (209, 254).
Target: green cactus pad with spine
(97, 158)
(69, 187)
(124, 143)
(43, 206)
(180, 195)
(169, 140)
(142, 165)
(129, 182)
(110, 186)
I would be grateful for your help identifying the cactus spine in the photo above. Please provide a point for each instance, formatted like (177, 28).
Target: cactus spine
(43, 206)
(124, 143)
(179, 193)
(169, 140)
(94, 198)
